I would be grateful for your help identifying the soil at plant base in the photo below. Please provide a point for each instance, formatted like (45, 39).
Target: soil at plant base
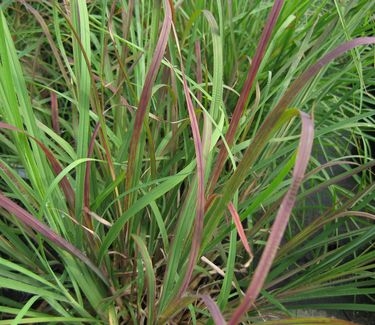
(360, 318)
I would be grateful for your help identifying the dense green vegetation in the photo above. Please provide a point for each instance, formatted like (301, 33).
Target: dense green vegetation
(186, 162)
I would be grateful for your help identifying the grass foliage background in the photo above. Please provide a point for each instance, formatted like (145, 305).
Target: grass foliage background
(135, 136)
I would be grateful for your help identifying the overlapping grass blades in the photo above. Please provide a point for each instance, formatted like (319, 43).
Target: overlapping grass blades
(151, 156)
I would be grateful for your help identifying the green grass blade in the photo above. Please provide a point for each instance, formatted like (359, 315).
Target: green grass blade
(139, 205)
(151, 281)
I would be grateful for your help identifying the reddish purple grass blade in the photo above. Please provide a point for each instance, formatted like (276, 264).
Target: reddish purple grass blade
(274, 116)
(240, 106)
(55, 112)
(199, 218)
(146, 94)
(271, 246)
(86, 193)
(240, 231)
(281, 220)
(32, 222)
(214, 310)
(65, 185)
(311, 72)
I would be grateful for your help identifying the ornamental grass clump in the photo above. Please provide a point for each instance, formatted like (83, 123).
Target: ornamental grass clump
(177, 163)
